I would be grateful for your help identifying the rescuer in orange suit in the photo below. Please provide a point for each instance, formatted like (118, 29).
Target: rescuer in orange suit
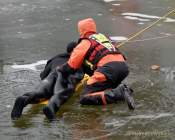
(105, 65)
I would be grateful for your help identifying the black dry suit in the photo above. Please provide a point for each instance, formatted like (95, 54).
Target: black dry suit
(50, 88)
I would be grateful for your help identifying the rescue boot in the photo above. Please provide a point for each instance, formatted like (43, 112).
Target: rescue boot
(121, 93)
(18, 107)
(61, 95)
(128, 97)
(49, 113)
(52, 107)
(54, 102)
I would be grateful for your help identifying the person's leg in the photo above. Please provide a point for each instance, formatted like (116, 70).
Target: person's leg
(61, 95)
(116, 72)
(99, 90)
(121, 93)
(45, 91)
(93, 92)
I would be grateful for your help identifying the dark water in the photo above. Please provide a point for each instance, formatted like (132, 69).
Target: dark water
(31, 31)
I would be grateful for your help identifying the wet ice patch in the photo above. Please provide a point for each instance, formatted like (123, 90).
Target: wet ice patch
(111, 10)
(113, 19)
(118, 38)
(144, 17)
(141, 23)
(140, 15)
(100, 14)
(24, 4)
(20, 20)
(107, 1)
(67, 19)
(32, 66)
(150, 116)
(19, 32)
(168, 73)
(169, 20)
(8, 106)
(119, 122)
(115, 123)
(167, 34)
(136, 18)
(116, 4)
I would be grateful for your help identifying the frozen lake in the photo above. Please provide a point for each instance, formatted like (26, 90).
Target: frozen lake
(33, 31)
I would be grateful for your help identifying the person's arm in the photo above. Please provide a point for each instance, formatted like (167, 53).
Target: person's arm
(46, 70)
(54, 62)
(75, 61)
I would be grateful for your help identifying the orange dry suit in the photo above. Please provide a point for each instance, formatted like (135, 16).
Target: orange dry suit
(101, 60)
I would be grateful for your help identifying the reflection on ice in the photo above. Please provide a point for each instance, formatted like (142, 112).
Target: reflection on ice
(143, 17)
(67, 19)
(136, 18)
(1, 66)
(8, 106)
(109, 0)
(118, 38)
(112, 0)
(29, 66)
(20, 20)
(150, 116)
(141, 23)
(99, 14)
(117, 123)
(168, 73)
(116, 4)
(24, 4)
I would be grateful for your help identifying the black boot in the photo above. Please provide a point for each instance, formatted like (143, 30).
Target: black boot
(20, 103)
(128, 97)
(61, 95)
(52, 107)
(49, 113)
(54, 102)
(121, 93)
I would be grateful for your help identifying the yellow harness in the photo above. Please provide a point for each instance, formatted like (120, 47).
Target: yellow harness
(102, 40)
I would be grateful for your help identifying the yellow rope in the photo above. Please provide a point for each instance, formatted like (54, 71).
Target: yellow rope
(141, 31)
